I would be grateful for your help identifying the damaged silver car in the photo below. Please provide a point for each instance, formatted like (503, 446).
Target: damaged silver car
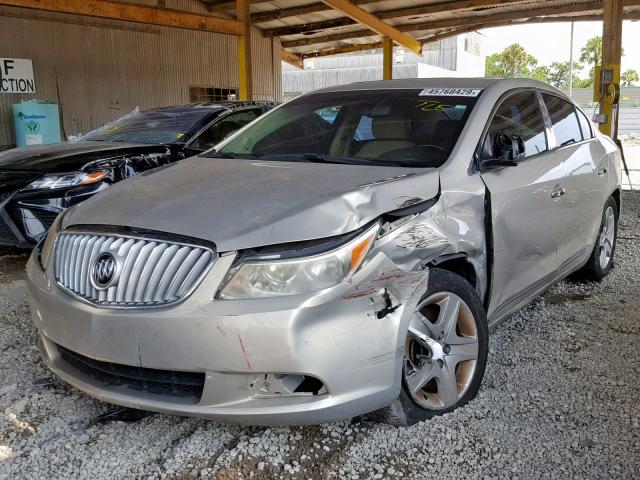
(345, 253)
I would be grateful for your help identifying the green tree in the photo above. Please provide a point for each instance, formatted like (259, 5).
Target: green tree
(629, 78)
(540, 73)
(559, 74)
(591, 53)
(512, 62)
(583, 82)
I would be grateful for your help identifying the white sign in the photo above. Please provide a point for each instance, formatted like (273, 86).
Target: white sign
(450, 92)
(16, 76)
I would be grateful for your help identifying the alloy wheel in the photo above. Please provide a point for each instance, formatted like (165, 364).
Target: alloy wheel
(607, 236)
(441, 351)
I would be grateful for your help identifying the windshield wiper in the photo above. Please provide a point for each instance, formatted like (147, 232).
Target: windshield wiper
(228, 155)
(317, 158)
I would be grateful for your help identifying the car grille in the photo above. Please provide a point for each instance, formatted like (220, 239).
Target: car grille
(186, 385)
(149, 273)
(45, 217)
(6, 235)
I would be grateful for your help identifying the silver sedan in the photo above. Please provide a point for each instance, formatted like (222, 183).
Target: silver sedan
(345, 253)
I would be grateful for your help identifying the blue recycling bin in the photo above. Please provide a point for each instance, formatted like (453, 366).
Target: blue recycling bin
(36, 123)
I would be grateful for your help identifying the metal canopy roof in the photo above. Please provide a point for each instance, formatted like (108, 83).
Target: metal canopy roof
(315, 28)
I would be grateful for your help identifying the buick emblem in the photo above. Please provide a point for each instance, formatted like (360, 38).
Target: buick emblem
(104, 271)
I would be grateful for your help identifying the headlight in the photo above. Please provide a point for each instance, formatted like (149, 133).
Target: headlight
(65, 180)
(276, 277)
(45, 246)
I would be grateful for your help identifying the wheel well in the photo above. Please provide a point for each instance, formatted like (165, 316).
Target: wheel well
(616, 197)
(459, 265)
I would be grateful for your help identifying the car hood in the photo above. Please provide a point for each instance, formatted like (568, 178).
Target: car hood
(68, 156)
(239, 203)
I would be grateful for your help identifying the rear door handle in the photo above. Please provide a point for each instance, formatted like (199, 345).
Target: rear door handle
(558, 192)
(602, 171)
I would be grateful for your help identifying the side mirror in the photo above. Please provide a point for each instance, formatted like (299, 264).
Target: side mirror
(507, 149)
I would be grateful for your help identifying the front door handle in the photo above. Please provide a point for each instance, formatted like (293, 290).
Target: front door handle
(558, 192)
(602, 171)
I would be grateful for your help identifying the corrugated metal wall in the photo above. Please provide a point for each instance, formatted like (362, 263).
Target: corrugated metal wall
(98, 70)
(366, 65)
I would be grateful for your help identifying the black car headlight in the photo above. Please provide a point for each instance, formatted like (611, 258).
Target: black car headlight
(66, 180)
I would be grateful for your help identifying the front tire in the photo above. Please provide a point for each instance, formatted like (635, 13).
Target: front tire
(445, 351)
(601, 260)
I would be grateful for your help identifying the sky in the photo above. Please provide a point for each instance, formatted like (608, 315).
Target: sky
(551, 41)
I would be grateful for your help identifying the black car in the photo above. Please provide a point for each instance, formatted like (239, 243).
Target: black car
(38, 182)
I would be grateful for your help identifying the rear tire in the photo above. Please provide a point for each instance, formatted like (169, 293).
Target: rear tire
(601, 260)
(445, 352)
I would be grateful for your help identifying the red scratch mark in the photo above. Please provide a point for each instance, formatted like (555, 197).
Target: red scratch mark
(221, 330)
(244, 352)
(382, 277)
(359, 294)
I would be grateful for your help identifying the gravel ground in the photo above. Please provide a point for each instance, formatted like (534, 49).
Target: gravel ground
(559, 400)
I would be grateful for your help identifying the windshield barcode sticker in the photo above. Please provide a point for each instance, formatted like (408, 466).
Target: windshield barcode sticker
(450, 92)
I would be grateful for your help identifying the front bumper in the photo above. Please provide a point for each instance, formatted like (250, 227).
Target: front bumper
(25, 217)
(335, 336)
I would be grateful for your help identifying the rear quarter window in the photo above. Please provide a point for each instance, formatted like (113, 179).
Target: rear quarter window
(585, 125)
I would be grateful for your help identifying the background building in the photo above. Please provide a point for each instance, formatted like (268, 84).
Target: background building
(98, 69)
(459, 56)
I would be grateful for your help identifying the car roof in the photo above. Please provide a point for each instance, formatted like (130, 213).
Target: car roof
(211, 106)
(444, 82)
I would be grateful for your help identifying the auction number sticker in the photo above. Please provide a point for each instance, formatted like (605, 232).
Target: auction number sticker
(450, 92)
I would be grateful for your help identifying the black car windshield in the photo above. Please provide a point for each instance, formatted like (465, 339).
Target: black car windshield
(404, 127)
(161, 126)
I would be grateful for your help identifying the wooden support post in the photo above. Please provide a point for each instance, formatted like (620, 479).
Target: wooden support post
(244, 51)
(387, 58)
(611, 58)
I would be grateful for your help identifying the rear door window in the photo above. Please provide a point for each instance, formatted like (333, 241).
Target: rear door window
(564, 120)
(518, 115)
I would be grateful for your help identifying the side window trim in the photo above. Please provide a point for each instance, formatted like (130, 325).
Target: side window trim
(576, 112)
(498, 104)
(579, 112)
(548, 125)
(205, 128)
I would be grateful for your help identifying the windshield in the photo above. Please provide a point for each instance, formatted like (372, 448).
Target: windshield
(382, 127)
(163, 126)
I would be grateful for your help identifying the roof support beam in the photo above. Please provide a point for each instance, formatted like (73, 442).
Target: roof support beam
(224, 6)
(339, 50)
(461, 21)
(245, 61)
(402, 12)
(451, 6)
(308, 27)
(474, 27)
(459, 30)
(292, 59)
(133, 13)
(372, 22)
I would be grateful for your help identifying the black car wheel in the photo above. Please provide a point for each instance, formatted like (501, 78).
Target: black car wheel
(601, 260)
